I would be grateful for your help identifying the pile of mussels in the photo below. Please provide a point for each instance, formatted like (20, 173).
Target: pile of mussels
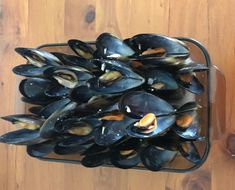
(112, 102)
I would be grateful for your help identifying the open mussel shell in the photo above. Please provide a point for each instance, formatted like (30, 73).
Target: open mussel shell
(22, 137)
(191, 132)
(49, 109)
(155, 158)
(164, 123)
(29, 70)
(112, 131)
(193, 67)
(37, 57)
(189, 151)
(190, 82)
(137, 104)
(117, 78)
(67, 77)
(81, 48)
(160, 82)
(187, 124)
(34, 89)
(41, 149)
(26, 121)
(109, 46)
(130, 160)
(48, 128)
(126, 154)
(171, 46)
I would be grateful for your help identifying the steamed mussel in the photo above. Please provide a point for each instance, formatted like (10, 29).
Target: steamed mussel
(127, 103)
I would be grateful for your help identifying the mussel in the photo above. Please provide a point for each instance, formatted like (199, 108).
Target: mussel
(83, 49)
(187, 123)
(126, 154)
(111, 131)
(68, 77)
(109, 46)
(33, 89)
(187, 78)
(155, 158)
(126, 103)
(26, 121)
(117, 78)
(37, 57)
(22, 137)
(48, 128)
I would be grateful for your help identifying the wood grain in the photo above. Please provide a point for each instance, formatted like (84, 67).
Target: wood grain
(32, 22)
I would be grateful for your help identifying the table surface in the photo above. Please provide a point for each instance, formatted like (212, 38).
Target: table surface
(29, 23)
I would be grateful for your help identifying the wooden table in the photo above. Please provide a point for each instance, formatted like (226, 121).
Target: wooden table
(33, 22)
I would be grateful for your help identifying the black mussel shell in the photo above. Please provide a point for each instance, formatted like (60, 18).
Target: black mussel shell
(109, 46)
(71, 123)
(159, 81)
(58, 91)
(42, 102)
(139, 103)
(131, 158)
(168, 141)
(187, 121)
(73, 60)
(26, 121)
(22, 137)
(94, 149)
(193, 67)
(189, 151)
(155, 158)
(38, 57)
(81, 48)
(100, 102)
(75, 149)
(194, 85)
(192, 132)
(164, 123)
(96, 160)
(41, 149)
(75, 141)
(189, 106)
(68, 77)
(125, 162)
(49, 109)
(34, 89)
(112, 131)
(129, 79)
(82, 94)
(29, 70)
(48, 128)
(172, 46)
(35, 109)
